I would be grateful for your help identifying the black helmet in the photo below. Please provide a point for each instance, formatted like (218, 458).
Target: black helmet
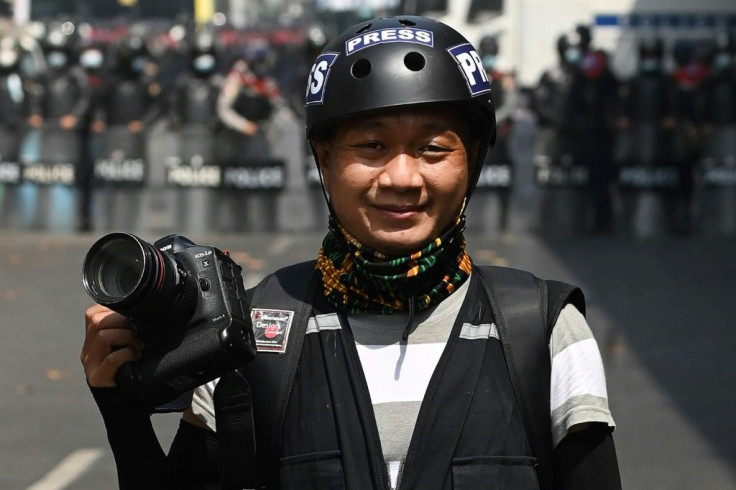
(488, 46)
(585, 36)
(399, 61)
(651, 47)
(201, 40)
(132, 45)
(61, 35)
(683, 51)
(10, 53)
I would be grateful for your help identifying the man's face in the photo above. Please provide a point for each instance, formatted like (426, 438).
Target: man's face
(398, 178)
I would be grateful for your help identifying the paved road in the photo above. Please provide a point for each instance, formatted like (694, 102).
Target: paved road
(662, 310)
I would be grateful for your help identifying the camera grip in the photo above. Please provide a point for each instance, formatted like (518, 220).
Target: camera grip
(185, 363)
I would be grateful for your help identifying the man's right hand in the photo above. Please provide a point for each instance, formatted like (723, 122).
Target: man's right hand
(110, 342)
(249, 128)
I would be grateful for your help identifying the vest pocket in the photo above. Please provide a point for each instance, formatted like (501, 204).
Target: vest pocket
(312, 471)
(494, 473)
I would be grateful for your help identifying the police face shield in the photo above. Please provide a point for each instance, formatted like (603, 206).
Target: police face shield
(138, 64)
(91, 59)
(573, 55)
(8, 58)
(649, 65)
(723, 60)
(204, 63)
(57, 59)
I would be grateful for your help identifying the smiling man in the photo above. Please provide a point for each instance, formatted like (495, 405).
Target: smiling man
(404, 365)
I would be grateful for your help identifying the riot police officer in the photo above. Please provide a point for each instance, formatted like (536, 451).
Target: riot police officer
(575, 104)
(589, 109)
(718, 209)
(93, 59)
(692, 60)
(61, 100)
(13, 97)
(64, 95)
(192, 111)
(134, 99)
(126, 110)
(647, 174)
(497, 174)
(13, 110)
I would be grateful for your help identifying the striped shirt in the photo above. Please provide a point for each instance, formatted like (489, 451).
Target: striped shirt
(398, 374)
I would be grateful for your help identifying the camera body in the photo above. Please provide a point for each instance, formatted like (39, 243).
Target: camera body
(187, 302)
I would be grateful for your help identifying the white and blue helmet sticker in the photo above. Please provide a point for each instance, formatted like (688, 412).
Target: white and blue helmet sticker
(318, 78)
(393, 35)
(471, 66)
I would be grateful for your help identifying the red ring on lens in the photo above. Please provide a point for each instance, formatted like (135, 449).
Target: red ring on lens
(160, 279)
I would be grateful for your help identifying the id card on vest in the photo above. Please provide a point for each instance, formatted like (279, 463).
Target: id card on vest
(271, 329)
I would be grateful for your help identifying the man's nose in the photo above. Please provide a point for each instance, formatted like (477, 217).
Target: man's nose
(402, 171)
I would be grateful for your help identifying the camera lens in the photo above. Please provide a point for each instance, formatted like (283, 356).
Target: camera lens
(118, 267)
(134, 278)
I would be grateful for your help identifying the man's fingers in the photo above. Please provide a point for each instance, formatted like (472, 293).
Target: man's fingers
(104, 375)
(103, 342)
(100, 317)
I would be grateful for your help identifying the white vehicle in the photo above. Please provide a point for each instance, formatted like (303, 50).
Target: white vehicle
(527, 30)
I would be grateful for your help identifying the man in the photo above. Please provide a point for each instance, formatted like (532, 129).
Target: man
(588, 123)
(402, 380)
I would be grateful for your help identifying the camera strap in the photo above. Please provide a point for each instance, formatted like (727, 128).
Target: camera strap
(235, 432)
(270, 375)
(525, 309)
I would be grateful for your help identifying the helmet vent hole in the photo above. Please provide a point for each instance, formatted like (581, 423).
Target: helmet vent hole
(363, 29)
(361, 68)
(407, 22)
(414, 61)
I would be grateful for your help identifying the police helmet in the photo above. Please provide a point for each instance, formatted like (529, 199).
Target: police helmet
(133, 44)
(201, 41)
(651, 47)
(682, 51)
(10, 53)
(488, 46)
(394, 62)
(585, 36)
(60, 35)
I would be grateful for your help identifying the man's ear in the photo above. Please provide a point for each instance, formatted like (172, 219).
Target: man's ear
(322, 154)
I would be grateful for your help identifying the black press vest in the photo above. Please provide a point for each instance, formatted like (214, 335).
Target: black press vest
(470, 432)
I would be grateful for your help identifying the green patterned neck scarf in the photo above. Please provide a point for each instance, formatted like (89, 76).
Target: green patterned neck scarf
(357, 279)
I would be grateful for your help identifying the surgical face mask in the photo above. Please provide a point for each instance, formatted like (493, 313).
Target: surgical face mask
(649, 65)
(489, 61)
(204, 63)
(91, 59)
(723, 60)
(137, 64)
(572, 55)
(57, 59)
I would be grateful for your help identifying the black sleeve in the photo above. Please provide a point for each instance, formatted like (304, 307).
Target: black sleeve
(587, 459)
(141, 462)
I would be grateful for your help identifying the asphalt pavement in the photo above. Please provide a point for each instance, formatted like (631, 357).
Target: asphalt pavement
(662, 310)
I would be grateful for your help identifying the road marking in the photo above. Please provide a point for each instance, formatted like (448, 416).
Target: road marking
(68, 470)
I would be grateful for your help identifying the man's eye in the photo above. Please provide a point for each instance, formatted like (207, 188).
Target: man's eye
(434, 149)
(369, 145)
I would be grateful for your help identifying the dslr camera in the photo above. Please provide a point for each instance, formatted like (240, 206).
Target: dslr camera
(187, 302)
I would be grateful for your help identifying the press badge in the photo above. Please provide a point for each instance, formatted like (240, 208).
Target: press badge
(271, 329)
